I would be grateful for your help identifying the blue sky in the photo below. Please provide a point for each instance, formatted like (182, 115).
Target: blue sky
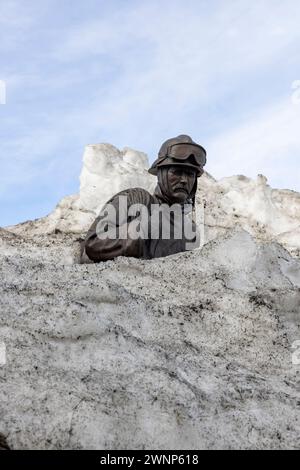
(134, 73)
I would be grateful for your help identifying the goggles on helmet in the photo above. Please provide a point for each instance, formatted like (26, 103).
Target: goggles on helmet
(183, 151)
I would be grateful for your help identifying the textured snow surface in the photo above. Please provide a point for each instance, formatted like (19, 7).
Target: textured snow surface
(189, 351)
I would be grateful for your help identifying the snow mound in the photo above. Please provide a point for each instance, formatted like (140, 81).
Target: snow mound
(267, 214)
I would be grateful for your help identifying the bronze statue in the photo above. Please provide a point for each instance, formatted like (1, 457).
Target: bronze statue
(138, 224)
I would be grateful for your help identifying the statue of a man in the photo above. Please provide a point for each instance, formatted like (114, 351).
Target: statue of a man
(138, 224)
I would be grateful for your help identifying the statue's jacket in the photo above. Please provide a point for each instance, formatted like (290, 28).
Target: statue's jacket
(101, 245)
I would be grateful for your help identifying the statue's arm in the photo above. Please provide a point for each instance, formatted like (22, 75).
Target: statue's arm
(104, 241)
(104, 249)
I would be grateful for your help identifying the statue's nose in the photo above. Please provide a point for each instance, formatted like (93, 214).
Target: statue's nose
(183, 179)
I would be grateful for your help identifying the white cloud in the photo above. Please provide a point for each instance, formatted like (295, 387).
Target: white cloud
(268, 143)
(167, 58)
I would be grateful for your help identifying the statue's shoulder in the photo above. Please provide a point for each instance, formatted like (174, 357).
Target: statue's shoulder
(135, 196)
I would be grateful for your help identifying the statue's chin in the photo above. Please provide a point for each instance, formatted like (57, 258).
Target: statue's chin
(180, 196)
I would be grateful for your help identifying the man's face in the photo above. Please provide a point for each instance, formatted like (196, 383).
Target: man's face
(181, 181)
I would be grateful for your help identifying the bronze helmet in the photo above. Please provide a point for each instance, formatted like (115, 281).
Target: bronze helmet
(180, 151)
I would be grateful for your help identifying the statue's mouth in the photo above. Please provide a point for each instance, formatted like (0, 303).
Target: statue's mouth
(181, 190)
